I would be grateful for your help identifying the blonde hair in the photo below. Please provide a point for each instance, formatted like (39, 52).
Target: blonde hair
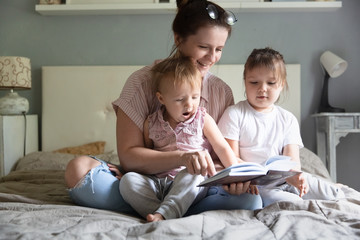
(178, 69)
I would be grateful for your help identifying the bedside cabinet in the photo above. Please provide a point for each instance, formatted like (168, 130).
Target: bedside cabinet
(13, 139)
(330, 127)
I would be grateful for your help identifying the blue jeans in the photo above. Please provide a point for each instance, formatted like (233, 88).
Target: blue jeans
(218, 199)
(100, 189)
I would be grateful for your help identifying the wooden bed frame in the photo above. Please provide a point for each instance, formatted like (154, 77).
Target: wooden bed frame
(87, 93)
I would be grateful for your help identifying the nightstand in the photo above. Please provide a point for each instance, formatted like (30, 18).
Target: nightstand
(330, 127)
(12, 139)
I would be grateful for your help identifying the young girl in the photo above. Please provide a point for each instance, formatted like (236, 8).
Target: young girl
(180, 124)
(257, 129)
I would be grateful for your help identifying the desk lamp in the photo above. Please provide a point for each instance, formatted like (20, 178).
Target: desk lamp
(333, 67)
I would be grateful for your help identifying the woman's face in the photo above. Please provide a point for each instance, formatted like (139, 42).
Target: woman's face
(205, 47)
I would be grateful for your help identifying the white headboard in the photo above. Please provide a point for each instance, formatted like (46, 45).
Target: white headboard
(77, 101)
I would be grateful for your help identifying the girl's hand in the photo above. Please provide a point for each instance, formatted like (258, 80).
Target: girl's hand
(113, 168)
(240, 188)
(198, 163)
(300, 183)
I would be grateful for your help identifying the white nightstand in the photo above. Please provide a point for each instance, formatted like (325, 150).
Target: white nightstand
(12, 139)
(330, 127)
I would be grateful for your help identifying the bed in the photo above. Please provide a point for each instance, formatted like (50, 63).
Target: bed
(77, 118)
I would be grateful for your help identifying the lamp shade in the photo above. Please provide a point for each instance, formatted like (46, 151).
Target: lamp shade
(15, 72)
(334, 65)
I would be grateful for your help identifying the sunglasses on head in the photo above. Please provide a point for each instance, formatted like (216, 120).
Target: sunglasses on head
(229, 16)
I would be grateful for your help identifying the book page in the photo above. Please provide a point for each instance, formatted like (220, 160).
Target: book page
(244, 167)
(280, 163)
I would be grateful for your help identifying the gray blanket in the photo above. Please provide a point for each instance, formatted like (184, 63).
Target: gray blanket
(35, 205)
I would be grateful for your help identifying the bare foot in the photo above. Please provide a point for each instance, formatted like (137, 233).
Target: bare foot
(339, 185)
(154, 217)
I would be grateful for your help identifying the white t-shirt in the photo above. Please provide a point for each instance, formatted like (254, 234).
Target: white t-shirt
(260, 135)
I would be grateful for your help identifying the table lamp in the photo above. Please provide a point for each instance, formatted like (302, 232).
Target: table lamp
(333, 67)
(15, 73)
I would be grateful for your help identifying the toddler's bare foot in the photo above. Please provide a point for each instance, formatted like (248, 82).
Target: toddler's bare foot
(154, 217)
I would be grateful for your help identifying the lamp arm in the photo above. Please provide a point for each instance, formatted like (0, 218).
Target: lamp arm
(324, 102)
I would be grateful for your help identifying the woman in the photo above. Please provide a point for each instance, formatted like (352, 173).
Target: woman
(201, 29)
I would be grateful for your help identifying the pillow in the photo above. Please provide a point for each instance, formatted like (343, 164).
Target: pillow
(94, 148)
(55, 161)
(44, 161)
(311, 163)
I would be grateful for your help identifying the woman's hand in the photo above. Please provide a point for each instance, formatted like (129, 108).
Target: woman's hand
(113, 168)
(240, 188)
(198, 163)
(300, 183)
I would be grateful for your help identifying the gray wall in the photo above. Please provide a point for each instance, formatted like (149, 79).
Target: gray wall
(139, 39)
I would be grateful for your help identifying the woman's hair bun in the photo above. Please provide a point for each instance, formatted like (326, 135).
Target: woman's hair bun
(181, 3)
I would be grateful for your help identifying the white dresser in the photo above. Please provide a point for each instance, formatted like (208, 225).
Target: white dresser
(330, 127)
(13, 140)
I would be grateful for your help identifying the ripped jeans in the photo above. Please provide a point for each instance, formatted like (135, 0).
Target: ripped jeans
(100, 189)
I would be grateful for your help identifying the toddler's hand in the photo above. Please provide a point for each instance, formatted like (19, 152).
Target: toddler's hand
(199, 163)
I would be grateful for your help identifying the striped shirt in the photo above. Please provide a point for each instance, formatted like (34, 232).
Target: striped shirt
(138, 101)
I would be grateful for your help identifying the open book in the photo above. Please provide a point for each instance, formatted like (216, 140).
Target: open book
(274, 172)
